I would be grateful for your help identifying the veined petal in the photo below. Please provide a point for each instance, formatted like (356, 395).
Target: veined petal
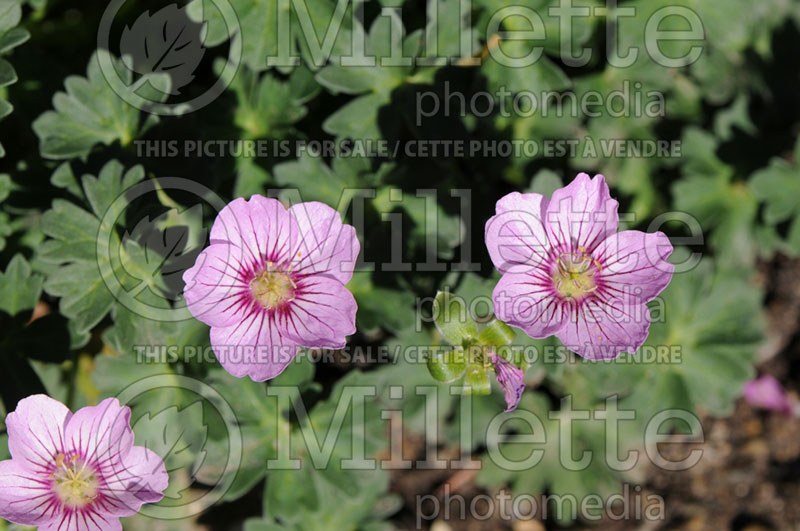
(326, 245)
(511, 379)
(36, 431)
(581, 215)
(217, 290)
(141, 478)
(262, 227)
(101, 434)
(83, 521)
(515, 236)
(528, 302)
(633, 265)
(323, 313)
(25, 497)
(597, 330)
(258, 346)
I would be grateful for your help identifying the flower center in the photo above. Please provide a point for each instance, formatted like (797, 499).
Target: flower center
(74, 482)
(272, 288)
(574, 273)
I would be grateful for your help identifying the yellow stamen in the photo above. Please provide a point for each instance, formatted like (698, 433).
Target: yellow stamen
(273, 287)
(74, 482)
(574, 274)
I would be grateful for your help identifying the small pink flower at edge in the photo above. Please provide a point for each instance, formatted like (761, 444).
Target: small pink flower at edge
(272, 281)
(510, 378)
(767, 393)
(75, 472)
(567, 272)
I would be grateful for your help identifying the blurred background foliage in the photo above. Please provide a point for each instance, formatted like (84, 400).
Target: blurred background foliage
(69, 150)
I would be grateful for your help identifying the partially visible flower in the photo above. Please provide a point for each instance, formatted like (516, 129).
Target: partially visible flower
(76, 472)
(767, 393)
(510, 378)
(567, 272)
(272, 281)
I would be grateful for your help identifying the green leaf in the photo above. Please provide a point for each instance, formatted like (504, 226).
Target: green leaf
(447, 365)
(379, 307)
(306, 499)
(177, 436)
(707, 326)
(64, 178)
(10, 14)
(453, 320)
(267, 107)
(19, 289)
(724, 207)
(5, 186)
(357, 119)
(72, 247)
(333, 497)
(476, 381)
(7, 74)
(90, 113)
(11, 36)
(545, 182)
(497, 334)
(260, 422)
(251, 178)
(317, 181)
(546, 471)
(258, 21)
(145, 339)
(778, 186)
(432, 226)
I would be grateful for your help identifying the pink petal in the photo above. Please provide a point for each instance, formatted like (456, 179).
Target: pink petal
(101, 434)
(323, 313)
(25, 497)
(766, 392)
(633, 264)
(528, 302)
(515, 236)
(83, 521)
(262, 227)
(141, 478)
(36, 432)
(582, 214)
(601, 331)
(326, 245)
(217, 291)
(258, 346)
(511, 379)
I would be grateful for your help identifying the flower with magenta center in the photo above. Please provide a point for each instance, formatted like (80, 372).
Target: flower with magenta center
(75, 472)
(272, 281)
(567, 272)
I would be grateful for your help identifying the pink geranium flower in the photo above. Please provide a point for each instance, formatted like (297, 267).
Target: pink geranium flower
(568, 272)
(272, 281)
(76, 472)
(767, 393)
